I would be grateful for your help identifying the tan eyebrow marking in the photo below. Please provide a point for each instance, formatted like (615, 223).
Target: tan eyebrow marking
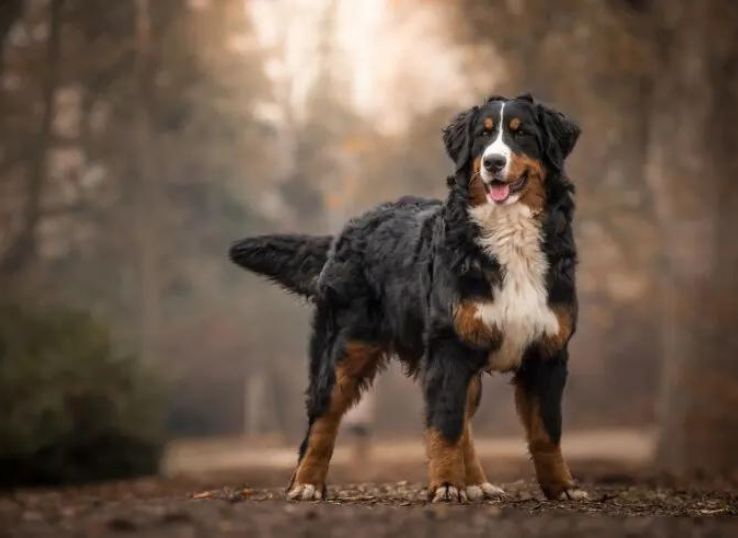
(515, 124)
(488, 124)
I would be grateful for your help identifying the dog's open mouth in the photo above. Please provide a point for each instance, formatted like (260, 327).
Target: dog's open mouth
(499, 191)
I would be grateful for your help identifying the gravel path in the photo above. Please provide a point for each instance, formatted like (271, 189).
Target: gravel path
(160, 508)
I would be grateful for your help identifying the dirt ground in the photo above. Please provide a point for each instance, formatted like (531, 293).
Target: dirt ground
(247, 500)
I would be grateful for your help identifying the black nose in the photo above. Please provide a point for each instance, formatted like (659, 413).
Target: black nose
(494, 163)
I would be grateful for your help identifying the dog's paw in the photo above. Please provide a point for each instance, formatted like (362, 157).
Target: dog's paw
(485, 490)
(446, 493)
(305, 492)
(572, 494)
(565, 493)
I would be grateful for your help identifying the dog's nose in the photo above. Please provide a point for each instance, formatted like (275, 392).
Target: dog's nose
(494, 162)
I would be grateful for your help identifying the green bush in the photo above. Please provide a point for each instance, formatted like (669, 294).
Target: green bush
(71, 409)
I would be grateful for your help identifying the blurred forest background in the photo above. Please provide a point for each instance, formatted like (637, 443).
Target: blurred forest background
(138, 138)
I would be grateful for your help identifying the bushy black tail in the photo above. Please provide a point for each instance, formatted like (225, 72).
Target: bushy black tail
(293, 261)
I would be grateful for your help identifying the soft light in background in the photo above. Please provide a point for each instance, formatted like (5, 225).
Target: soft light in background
(139, 138)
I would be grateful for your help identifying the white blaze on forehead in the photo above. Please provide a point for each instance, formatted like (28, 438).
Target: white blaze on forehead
(498, 147)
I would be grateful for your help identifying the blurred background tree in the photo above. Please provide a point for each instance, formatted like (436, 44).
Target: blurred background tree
(692, 174)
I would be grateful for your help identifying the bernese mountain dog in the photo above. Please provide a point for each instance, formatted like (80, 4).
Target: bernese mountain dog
(480, 282)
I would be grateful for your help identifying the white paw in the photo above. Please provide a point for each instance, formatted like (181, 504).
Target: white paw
(485, 490)
(305, 492)
(444, 494)
(474, 493)
(573, 494)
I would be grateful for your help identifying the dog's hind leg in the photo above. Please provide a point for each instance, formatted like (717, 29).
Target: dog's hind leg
(477, 486)
(539, 385)
(343, 368)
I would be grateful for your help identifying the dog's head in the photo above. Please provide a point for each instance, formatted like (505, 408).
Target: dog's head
(506, 149)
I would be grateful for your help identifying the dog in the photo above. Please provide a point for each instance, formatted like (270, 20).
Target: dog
(483, 281)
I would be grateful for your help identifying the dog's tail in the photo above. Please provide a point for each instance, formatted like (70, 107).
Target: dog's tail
(293, 261)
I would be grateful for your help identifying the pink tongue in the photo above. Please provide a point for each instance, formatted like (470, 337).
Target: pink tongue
(499, 191)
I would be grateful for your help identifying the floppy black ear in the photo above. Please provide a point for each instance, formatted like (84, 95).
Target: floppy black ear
(561, 135)
(458, 140)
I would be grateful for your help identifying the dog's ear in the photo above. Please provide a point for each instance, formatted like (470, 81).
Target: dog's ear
(560, 135)
(458, 139)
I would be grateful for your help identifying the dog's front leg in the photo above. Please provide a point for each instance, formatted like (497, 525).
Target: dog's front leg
(448, 375)
(477, 486)
(539, 385)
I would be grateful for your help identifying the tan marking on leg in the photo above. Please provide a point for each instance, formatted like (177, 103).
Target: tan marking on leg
(477, 486)
(552, 344)
(551, 469)
(474, 474)
(353, 372)
(473, 330)
(445, 462)
(473, 395)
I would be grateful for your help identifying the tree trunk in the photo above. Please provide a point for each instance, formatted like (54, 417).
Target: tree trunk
(144, 190)
(23, 246)
(692, 169)
(10, 12)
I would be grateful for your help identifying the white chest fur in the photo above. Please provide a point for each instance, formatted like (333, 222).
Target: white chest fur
(512, 235)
